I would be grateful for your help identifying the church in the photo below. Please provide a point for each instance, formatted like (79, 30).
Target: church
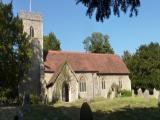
(69, 76)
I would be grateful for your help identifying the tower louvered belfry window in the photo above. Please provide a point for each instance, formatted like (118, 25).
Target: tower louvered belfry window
(31, 32)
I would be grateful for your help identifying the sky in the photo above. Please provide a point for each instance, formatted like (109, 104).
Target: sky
(71, 25)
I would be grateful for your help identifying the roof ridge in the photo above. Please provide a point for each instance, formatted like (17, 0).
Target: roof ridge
(74, 52)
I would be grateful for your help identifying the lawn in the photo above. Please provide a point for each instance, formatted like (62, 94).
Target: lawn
(103, 109)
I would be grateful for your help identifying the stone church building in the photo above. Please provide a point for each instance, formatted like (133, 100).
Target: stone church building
(69, 76)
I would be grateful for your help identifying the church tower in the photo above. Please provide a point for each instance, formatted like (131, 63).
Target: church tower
(33, 26)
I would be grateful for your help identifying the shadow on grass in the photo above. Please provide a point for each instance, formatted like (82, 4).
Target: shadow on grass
(41, 112)
(72, 113)
(128, 114)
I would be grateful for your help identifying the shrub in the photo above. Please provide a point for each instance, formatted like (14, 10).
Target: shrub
(109, 94)
(34, 99)
(126, 93)
(3, 100)
(5, 96)
(85, 112)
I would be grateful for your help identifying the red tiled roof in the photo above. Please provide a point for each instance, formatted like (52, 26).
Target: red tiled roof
(86, 62)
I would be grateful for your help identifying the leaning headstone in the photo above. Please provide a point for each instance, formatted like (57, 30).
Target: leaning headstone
(140, 92)
(155, 93)
(26, 102)
(146, 94)
(133, 95)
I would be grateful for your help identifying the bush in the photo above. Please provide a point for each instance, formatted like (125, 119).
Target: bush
(5, 96)
(126, 93)
(3, 100)
(85, 112)
(34, 99)
(109, 94)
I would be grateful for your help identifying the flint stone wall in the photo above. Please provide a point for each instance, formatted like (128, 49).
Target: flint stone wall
(93, 85)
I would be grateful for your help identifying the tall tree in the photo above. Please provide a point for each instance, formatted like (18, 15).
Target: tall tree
(127, 56)
(104, 8)
(98, 43)
(15, 51)
(50, 43)
(144, 66)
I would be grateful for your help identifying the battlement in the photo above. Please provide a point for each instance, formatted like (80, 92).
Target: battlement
(30, 16)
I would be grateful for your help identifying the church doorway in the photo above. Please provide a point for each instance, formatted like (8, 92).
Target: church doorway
(65, 92)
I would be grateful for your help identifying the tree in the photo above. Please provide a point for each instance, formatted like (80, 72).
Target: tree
(104, 8)
(98, 43)
(50, 43)
(15, 51)
(127, 56)
(144, 66)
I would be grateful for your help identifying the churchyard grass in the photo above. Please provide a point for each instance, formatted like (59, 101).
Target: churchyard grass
(127, 108)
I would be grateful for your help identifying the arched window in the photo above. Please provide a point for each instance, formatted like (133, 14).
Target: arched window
(82, 84)
(120, 83)
(103, 84)
(31, 31)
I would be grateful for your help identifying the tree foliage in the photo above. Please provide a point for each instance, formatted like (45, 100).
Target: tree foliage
(15, 51)
(103, 8)
(98, 43)
(126, 57)
(144, 66)
(50, 43)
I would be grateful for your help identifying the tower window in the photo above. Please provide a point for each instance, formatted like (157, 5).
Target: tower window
(31, 31)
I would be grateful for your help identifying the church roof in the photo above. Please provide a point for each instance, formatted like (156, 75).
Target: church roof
(86, 62)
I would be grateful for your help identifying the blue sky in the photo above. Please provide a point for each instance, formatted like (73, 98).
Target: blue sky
(71, 25)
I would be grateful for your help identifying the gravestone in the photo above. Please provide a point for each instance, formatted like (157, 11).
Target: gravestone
(155, 93)
(19, 116)
(133, 95)
(113, 94)
(159, 102)
(86, 112)
(140, 92)
(146, 94)
(26, 102)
